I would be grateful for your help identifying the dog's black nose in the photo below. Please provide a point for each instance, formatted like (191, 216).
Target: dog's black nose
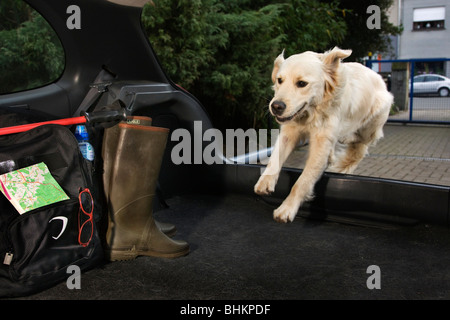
(278, 107)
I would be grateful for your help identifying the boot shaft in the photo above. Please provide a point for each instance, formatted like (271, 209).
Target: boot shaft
(137, 162)
(109, 146)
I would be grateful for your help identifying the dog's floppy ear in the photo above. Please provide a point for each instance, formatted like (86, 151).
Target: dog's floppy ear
(333, 57)
(331, 60)
(276, 66)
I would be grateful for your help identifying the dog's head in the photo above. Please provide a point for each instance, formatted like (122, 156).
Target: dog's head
(303, 81)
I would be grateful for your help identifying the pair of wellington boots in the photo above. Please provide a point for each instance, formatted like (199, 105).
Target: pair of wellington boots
(132, 154)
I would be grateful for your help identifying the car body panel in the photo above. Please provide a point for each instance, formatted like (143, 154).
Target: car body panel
(112, 46)
(237, 250)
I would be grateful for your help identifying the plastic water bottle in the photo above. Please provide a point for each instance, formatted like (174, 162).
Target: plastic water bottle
(82, 135)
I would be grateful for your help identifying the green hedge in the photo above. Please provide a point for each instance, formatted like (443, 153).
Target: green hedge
(223, 52)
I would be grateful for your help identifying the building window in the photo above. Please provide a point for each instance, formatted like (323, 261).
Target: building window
(429, 19)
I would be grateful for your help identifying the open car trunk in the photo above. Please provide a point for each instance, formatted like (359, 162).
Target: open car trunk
(237, 250)
(239, 253)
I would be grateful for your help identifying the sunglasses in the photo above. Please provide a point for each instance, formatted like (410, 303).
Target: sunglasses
(85, 217)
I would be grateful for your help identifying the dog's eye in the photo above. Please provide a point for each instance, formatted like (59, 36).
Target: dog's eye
(280, 81)
(301, 84)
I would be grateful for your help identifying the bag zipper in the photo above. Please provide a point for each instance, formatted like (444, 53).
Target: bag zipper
(8, 257)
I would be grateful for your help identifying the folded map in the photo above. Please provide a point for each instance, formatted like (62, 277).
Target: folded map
(31, 188)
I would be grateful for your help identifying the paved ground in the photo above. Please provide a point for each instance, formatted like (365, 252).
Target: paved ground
(416, 153)
(426, 109)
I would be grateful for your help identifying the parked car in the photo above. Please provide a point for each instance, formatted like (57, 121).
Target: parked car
(431, 84)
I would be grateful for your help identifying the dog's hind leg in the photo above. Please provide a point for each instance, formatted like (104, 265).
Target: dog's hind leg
(348, 155)
(347, 161)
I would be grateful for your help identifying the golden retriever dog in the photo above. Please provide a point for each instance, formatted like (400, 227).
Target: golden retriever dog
(339, 107)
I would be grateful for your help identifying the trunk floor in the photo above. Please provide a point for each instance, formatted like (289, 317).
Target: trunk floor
(239, 252)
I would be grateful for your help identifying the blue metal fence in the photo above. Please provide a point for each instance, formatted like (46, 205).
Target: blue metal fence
(421, 89)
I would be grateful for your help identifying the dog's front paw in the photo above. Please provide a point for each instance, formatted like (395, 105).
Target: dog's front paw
(265, 185)
(285, 213)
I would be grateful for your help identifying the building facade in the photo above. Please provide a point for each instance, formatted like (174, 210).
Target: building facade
(426, 34)
(426, 29)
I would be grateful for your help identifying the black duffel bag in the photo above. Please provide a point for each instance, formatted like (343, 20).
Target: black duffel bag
(38, 247)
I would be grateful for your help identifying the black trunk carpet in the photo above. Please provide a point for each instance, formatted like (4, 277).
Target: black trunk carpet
(239, 252)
